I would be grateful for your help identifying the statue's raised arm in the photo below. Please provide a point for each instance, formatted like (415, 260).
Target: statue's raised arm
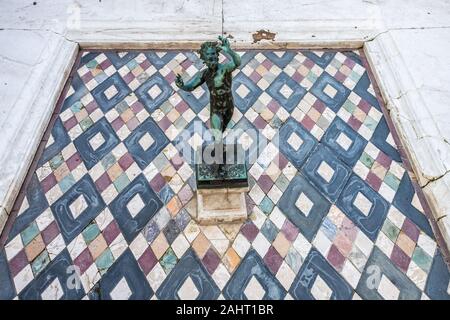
(226, 49)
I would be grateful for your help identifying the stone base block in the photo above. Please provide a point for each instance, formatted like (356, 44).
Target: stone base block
(221, 205)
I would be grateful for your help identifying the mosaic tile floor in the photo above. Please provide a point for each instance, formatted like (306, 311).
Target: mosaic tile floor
(334, 214)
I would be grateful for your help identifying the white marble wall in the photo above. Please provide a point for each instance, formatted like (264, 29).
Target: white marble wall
(407, 43)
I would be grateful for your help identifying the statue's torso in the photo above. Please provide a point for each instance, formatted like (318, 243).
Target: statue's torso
(219, 85)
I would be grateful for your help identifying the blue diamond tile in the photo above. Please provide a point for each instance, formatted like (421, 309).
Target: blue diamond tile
(342, 92)
(253, 268)
(37, 203)
(166, 194)
(72, 223)
(188, 267)
(124, 280)
(315, 268)
(153, 103)
(103, 101)
(7, 291)
(119, 61)
(378, 266)
(79, 89)
(59, 271)
(322, 60)
(89, 56)
(361, 89)
(160, 59)
(315, 206)
(354, 56)
(347, 153)
(197, 62)
(269, 230)
(144, 157)
(438, 280)
(326, 172)
(244, 103)
(379, 138)
(403, 202)
(292, 100)
(132, 223)
(61, 139)
(369, 220)
(196, 104)
(294, 149)
(282, 61)
(247, 57)
(90, 155)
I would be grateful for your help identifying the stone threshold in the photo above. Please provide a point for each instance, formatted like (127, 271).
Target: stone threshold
(29, 127)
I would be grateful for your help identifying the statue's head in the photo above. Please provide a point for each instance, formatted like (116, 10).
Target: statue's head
(209, 53)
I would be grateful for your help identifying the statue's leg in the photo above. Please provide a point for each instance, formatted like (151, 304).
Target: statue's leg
(216, 126)
(227, 116)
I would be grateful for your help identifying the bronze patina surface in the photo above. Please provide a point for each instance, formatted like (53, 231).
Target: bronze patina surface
(218, 78)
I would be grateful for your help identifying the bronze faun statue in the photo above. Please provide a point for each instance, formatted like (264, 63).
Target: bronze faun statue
(218, 79)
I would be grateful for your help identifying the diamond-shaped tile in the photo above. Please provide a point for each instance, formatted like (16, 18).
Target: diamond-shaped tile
(325, 171)
(121, 291)
(135, 205)
(78, 206)
(320, 290)
(206, 287)
(295, 141)
(290, 145)
(146, 141)
(286, 91)
(387, 289)
(54, 291)
(362, 203)
(295, 204)
(258, 281)
(96, 141)
(304, 204)
(110, 92)
(344, 141)
(188, 290)
(154, 91)
(254, 290)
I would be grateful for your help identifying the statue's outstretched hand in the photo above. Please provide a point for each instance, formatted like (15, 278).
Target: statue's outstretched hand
(225, 43)
(179, 81)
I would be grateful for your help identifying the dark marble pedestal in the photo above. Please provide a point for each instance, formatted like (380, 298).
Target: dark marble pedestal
(221, 184)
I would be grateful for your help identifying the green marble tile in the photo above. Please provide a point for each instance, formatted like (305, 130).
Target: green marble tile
(105, 260)
(91, 232)
(40, 262)
(108, 161)
(390, 230)
(282, 182)
(76, 107)
(86, 123)
(56, 161)
(67, 182)
(422, 259)
(349, 106)
(121, 182)
(266, 205)
(391, 180)
(168, 260)
(92, 64)
(29, 233)
(370, 123)
(366, 160)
